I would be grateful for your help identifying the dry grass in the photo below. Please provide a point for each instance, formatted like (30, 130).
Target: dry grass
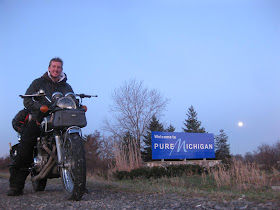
(227, 182)
(127, 156)
(185, 186)
(275, 177)
(4, 174)
(242, 176)
(240, 180)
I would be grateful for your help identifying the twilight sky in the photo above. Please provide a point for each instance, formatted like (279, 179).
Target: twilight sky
(222, 57)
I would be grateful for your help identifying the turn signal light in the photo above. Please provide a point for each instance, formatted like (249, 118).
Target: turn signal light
(44, 108)
(85, 107)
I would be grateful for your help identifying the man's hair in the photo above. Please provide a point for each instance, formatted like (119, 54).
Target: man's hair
(56, 59)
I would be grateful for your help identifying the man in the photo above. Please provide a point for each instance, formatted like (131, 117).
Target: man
(54, 80)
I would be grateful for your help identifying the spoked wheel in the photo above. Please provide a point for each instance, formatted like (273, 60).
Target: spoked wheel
(38, 185)
(73, 172)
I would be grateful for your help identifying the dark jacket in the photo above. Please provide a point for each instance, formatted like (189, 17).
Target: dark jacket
(49, 86)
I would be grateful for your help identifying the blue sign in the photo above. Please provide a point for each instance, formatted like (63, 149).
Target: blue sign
(174, 145)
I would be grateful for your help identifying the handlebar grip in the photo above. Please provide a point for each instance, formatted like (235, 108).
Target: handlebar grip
(34, 95)
(82, 95)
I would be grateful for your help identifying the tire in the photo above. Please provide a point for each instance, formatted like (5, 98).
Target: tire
(39, 185)
(73, 172)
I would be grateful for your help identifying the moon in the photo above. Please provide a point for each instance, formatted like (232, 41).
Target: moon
(240, 124)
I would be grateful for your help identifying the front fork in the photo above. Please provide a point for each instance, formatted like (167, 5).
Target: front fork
(58, 148)
(60, 142)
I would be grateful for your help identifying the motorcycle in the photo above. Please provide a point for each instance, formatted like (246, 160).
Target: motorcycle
(60, 149)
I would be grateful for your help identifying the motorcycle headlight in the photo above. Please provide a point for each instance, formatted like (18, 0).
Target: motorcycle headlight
(56, 95)
(70, 95)
(66, 103)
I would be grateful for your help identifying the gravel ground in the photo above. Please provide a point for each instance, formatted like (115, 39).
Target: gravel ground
(98, 198)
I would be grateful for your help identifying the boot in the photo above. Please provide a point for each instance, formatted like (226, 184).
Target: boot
(14, 192)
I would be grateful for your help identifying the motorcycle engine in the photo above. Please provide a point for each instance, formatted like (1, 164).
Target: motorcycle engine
(41, 159)
(39, 162)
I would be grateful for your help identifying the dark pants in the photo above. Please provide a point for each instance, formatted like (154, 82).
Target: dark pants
(19, 169)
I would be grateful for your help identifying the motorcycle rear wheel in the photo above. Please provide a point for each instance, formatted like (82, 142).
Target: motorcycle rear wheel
(73, 172)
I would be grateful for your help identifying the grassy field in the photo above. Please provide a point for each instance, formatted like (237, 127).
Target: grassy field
(237, 182)
(191, 186)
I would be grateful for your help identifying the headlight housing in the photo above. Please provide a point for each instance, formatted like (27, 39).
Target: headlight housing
(70, 95)
(66, 103)
(56, 95)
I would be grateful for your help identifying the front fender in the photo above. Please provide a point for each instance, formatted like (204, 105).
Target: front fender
(72, 130)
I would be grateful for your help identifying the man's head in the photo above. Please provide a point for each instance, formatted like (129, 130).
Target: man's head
(55, 68)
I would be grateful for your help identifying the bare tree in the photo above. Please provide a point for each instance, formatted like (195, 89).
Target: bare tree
(99, 154)
(238, 157)
(132, 109)
(267, 155)
(249, 157)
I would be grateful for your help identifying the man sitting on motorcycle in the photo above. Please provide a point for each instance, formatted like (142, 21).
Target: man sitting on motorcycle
(54, 80)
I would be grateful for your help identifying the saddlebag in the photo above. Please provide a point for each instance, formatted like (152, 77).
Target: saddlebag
(21, 120)
(69, 117)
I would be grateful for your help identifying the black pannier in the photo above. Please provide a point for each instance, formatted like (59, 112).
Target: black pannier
(69, 117)
(21, 120)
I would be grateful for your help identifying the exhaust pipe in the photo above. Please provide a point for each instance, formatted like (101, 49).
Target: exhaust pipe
(50, 164)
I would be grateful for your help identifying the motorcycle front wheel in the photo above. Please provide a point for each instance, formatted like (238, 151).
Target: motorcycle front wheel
(73, 172)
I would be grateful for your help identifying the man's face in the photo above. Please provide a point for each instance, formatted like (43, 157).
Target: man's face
(55, 69)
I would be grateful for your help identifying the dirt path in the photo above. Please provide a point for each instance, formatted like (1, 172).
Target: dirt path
(98, 198)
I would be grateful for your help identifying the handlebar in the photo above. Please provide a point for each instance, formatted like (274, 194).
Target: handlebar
(38, 94)
(33, 95)
(82, 95)
(42, 93)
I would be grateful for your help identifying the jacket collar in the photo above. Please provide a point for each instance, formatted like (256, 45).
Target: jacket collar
(62, 77)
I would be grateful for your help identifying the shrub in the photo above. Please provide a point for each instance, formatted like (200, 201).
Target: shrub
(121, 175)
(180, 170)
(159, 172)
(4, 163)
